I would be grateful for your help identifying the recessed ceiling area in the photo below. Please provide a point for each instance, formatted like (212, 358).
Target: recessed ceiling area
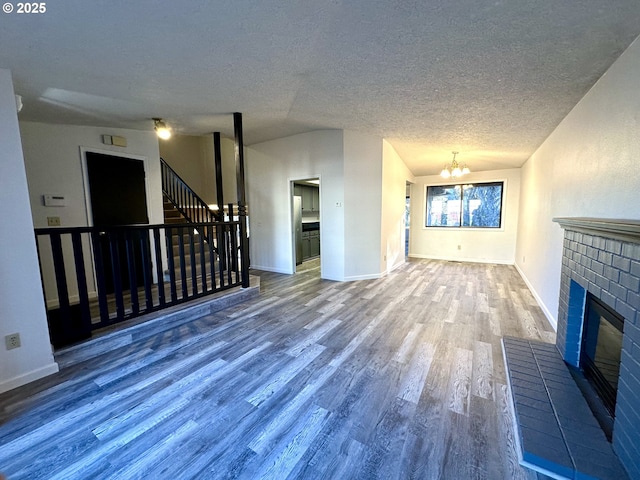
(489, 79)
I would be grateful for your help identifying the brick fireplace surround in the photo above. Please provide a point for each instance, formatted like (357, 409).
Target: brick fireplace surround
(602, 257)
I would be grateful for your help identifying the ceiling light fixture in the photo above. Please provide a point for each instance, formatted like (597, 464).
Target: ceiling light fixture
(161, 128)
(454, 170)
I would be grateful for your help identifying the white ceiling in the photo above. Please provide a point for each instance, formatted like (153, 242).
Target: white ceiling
(490, 79)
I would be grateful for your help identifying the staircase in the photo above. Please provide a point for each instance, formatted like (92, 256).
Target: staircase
(171, 213)
(173, 217)
(129, 260)
(216, 243)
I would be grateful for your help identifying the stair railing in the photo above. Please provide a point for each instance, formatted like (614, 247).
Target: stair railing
(188, 203)
(193, 208)
(93, 277)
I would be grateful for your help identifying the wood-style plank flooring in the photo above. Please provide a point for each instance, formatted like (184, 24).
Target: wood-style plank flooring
(396, 378)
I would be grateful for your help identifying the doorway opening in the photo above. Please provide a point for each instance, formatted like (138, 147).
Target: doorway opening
(117, 196)
(306, 224)
(407, 219)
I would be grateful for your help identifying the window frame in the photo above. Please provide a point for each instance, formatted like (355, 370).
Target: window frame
(502, 183)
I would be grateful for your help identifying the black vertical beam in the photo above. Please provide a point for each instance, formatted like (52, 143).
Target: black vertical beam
(203, 262)
(114, 248)
(61, 281)
(168, 232)
(183, 267)
(221, 246)
(192, 258)
(81, 276)
(232, 247)
(101, 283)
(217, 157)
(159, 272)
(237, 269)
(130, 236)
(147, 270)
(212, 257)
(242, 201)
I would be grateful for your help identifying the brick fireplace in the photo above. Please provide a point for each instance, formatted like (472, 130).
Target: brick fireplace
(602, 257)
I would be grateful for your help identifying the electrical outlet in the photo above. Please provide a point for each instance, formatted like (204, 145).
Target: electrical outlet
(12, 341)
(53, 221)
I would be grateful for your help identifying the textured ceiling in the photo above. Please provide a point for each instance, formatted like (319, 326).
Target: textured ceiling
(490, 79)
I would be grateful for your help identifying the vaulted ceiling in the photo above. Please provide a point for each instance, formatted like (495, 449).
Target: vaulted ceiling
(490, 79)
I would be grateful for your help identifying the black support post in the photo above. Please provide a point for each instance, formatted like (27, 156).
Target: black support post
(242, 205)
(217, 157)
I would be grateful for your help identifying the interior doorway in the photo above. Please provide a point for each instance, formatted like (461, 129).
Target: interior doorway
(117, 196)
(407, 219)
(117, 190)
(305, 204)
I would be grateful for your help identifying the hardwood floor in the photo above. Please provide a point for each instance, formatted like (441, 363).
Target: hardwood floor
(396, 378)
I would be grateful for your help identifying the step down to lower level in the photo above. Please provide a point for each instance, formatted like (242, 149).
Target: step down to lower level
(131, 331)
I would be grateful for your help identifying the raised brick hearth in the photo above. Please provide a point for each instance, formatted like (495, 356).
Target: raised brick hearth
(602, 257)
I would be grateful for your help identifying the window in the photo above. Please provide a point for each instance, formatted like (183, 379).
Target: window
(476, 206)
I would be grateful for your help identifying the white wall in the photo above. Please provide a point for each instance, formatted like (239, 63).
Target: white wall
(53, 161)
(350, 168)
(229, 181)
(395, 176)
(588, 167)
(362, 206)
(22, 307)
(192, 158)
(476, 245)
(270, 167)
(362, 197)
(54, 165)
(186, 155)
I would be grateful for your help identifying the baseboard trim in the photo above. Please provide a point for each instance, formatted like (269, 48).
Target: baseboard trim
(373, 276)
(29, 377)
(552, 320)
(382, 274)
(271, 269)
(464, 260)
(395, 267)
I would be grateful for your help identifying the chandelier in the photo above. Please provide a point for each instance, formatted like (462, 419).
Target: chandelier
(454, 170)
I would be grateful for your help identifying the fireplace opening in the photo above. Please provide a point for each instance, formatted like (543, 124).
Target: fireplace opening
(601, 350)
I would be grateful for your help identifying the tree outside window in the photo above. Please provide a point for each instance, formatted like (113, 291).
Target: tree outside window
(472, 205)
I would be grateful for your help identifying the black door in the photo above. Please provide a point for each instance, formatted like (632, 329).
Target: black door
(118, 197)
(117, 190)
